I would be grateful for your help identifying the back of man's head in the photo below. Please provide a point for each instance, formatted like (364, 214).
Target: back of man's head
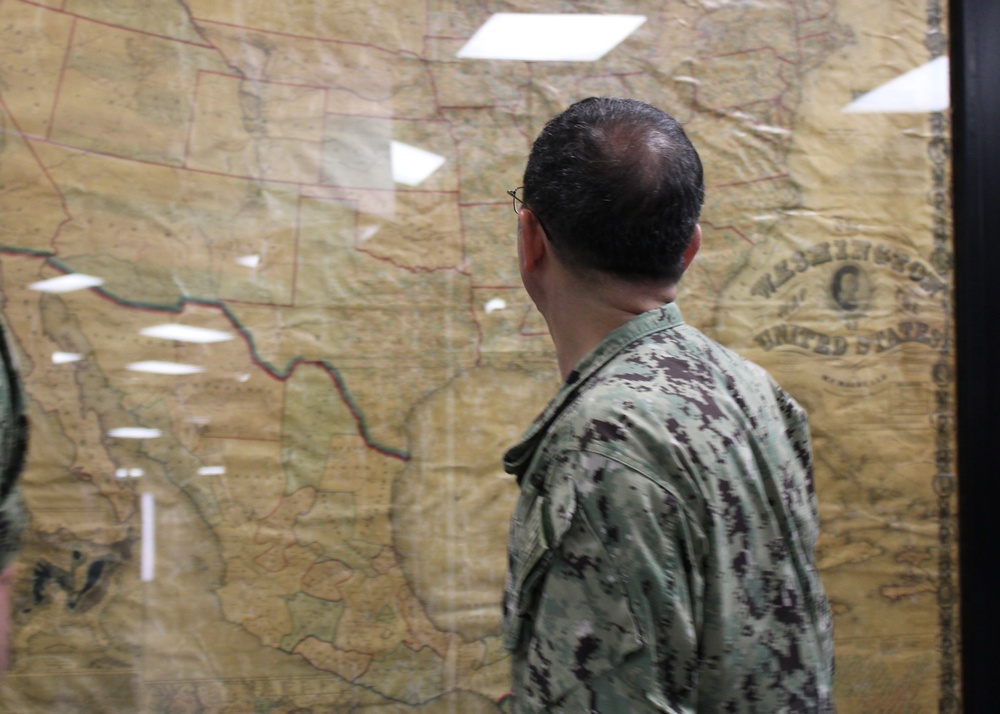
(618, 188)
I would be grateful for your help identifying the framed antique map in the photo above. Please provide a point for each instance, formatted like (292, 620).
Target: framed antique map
(258, 263)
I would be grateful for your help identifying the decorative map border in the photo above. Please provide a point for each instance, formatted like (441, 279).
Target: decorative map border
(944, 482)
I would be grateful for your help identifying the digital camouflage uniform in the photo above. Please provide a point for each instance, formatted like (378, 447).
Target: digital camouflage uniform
(13, 440)
(661, 551)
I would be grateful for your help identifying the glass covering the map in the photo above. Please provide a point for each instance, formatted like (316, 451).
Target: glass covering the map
(258, 263)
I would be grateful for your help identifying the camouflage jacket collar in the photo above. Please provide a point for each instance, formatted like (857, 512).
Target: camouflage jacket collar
(665, 317)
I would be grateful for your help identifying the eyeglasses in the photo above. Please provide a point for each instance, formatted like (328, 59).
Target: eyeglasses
(516, 199)
(517, 211)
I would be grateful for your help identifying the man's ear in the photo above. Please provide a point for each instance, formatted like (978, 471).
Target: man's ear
(534, 249)
(693, 246)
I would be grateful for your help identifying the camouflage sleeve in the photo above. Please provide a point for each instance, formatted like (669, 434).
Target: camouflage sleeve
(13, 444)
(12, 522)
(614, 627)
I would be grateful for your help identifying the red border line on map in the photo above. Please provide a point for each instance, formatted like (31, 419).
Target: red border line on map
(308, 38)
(112, 25)
(62, 75)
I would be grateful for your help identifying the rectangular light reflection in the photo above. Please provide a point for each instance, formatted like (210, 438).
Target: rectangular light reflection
(65, 357)
(411, 164)
(66, 283)
(540, 37)
(148, 562)
(186, 333)
(924, 89)
(157, 367)
(134, 432)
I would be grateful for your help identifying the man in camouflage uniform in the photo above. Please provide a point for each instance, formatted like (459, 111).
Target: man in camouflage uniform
(13, 441)
(661, 551)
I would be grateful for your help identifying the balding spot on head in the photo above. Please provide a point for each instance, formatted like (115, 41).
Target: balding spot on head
(639, 150)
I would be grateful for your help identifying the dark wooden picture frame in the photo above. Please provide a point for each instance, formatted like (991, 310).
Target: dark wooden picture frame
(975, 91)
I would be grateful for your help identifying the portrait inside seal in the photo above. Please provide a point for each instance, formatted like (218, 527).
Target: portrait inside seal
(850, 288)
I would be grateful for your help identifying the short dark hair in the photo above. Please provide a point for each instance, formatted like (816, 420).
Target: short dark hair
(619, 188)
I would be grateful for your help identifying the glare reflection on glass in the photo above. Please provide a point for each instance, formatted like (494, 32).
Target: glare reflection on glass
(495, 304)
(157, 367)
(186, 333)
(66, 283)
(211, 470)
(128, 473)
(539, 37)
(147, 563)
(65, 357)
(249, 261)
(412, 165)
(367, 232)
(924, 89)
(134, 432)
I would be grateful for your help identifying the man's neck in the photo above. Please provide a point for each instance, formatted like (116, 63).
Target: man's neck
(582, 313)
